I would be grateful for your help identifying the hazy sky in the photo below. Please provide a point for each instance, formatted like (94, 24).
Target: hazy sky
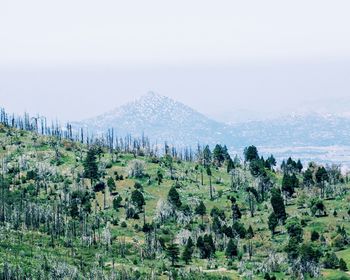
(75, 59)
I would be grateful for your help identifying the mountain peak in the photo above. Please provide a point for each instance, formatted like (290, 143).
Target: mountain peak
(152, 94)
(159, 117)
(153, 97)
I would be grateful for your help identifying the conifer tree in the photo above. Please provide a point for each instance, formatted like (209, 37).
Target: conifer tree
(173, 252)
(188, 251)
(278, 205)
(207, 156)
(90, 166)
(201, 210)
(137, 199)
(272, 222)
(174, 197)
(231, 249)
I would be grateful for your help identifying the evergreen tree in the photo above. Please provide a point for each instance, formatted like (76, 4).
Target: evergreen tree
(225, 153)
(321, 178)
(207, 156)
(99, 187)
(218, 155)
(174, 197)
(239, 229)
(188, 251)
(236, 213)
(294, 229)
(137, 199)
(117, 202)
(206, 246)
(169, 163)
(278, 205)
(289, 184)
(216, 225)
(159, 176)
(271, 161)
(231, 249)
(308, 180)
(309, 253)
(257, 168)
(172, 251)
(90, 166)
(111, 184)
(230, 165)
(299, 166)
(330, 261)
(251, 154)
(201, 210)
(272, 222)
(317, 207)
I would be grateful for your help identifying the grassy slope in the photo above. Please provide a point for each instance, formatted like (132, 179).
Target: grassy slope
(24, 249)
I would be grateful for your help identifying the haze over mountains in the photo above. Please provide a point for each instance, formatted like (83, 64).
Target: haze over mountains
(309, 136)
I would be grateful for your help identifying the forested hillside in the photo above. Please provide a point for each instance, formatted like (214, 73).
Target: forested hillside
(94, 210)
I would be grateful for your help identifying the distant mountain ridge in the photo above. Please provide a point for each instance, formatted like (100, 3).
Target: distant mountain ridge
(163, 119)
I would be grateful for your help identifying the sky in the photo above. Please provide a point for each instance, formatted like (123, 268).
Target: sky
(228, 59)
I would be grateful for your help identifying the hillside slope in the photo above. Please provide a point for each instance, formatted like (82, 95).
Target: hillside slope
(55, 224)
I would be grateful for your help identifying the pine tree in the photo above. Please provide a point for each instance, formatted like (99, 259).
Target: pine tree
(173, 252)
(231, 249)
(206, 246)
(218, 155)
(137, 199)
(230, 165)
(308, 180)
(236, 213)
(294, 229)
(201, 210)
(299, 166)
(207, 156)
(90, 166)
(159, 176)
(321, 178)
(278, 205)
(187, 253)
(251, 154)
(272, 161)
(174, 197)
(272, 222)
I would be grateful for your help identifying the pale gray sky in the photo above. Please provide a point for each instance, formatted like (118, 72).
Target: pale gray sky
(75, 59)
